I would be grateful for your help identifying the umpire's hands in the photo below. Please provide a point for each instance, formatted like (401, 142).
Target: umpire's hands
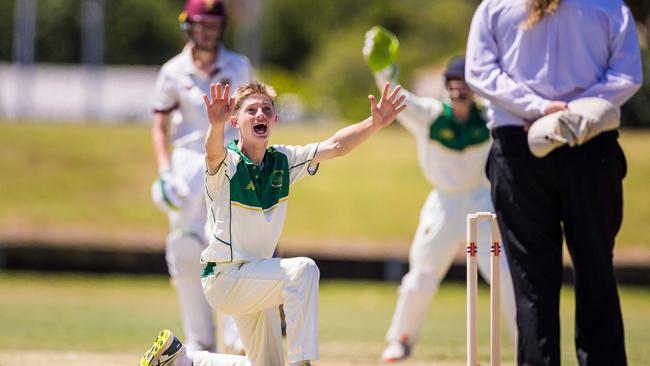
(380, 48)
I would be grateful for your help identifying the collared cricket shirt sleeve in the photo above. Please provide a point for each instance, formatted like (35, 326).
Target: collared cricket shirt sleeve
(216, 180)
(419, 112)
(165, 96)
(299, 160)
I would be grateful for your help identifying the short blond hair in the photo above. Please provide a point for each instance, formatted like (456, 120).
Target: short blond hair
(252, 88)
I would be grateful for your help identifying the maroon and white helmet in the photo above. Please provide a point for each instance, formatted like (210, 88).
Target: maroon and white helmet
(198, 10)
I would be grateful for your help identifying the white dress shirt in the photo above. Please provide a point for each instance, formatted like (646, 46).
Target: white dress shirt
(587, 48)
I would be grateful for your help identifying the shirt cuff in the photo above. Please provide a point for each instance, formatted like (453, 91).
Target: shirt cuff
(538, 107)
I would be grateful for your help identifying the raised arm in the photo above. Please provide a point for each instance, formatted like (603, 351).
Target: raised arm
(420, 111)
(380, 50)
(347, 139)
(219, 109)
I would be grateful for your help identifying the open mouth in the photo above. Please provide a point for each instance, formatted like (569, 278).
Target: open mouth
(260, 129)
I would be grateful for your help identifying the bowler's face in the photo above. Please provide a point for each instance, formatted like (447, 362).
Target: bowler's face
(256, 118)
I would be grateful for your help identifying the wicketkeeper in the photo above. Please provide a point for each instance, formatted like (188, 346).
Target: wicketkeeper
(452, 143)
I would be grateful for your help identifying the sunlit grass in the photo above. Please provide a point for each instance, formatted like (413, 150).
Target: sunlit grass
(98, 178)
(122, 313)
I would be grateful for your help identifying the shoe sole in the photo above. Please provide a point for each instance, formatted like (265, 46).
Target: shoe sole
(156, 349)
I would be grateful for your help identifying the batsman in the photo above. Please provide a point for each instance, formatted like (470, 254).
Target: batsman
(179, 118)
(452, 143)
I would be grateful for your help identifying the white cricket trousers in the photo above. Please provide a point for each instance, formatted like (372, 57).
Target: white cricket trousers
(251, 293)
(184, 245)
(440, 234)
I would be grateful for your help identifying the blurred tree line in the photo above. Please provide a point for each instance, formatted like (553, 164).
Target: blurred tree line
(137, 31)
(311, 48)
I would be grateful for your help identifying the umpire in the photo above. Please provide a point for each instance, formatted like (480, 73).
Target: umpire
(529, 59)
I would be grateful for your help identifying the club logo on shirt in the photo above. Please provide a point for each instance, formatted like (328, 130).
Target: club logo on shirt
(225, 81)
(250, 186)
(277, 178)
(446, 134)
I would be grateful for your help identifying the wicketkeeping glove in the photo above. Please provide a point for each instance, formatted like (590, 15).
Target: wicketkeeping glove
(168, 192)
(585, 119)
(380, 48)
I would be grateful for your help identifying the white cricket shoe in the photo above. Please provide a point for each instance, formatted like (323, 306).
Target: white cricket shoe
(164, 352)
(396, 351)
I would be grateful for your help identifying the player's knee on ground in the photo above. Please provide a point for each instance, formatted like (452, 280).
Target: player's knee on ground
(419, 280)
(183, 255)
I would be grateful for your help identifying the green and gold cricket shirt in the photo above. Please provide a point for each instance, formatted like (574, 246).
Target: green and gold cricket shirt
(451, 154)
(247, 203)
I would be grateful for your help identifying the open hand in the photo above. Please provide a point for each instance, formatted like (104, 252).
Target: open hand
(221, 106)
(390, 105)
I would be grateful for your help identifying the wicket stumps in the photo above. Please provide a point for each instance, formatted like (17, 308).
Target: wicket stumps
(472, 288)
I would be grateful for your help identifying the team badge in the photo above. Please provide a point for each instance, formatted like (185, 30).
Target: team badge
(446, 134)
(277, 178)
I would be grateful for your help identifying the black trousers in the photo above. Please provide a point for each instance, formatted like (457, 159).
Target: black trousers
(576, 191)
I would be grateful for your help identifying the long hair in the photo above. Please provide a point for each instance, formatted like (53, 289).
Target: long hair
(538, 9)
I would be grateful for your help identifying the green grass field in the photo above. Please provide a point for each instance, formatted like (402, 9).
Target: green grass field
(97, 178)
(42, 312)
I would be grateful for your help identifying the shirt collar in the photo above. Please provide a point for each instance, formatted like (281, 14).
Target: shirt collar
(188, 61)
(254, 170)
(233, 146)
(474, 113)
